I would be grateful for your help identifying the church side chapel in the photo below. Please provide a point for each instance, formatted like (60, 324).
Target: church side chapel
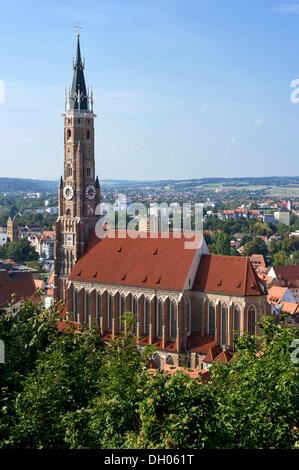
(190, 304)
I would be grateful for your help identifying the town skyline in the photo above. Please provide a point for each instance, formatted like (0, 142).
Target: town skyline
(180, 103)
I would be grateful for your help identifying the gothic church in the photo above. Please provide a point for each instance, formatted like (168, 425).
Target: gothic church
(190, 304)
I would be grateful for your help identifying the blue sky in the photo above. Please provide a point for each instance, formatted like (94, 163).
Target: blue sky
(183, 88)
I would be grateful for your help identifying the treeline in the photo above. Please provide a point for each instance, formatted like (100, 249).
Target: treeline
(12, 185)
(61, 389)
(219, 233)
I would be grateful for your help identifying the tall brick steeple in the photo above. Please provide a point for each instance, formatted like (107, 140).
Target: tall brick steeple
(79, 191)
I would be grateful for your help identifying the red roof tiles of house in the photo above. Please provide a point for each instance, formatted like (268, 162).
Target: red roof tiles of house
(200, 344)
(288, 273)
(51, 278)
(48, 235)
(19, 283)
(224, 356)
(227, 275)
(290, 308)
(275, 294)
(156, 263)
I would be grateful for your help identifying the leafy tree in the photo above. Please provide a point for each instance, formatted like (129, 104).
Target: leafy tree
(280, 259)
(64, 389)
(294, 258)
(258, 393)
(256, 246)
(290, 244)
(175, 412)
(19, 251)
(274, 247)
(260, 228)
(246, 239)
(223, 244)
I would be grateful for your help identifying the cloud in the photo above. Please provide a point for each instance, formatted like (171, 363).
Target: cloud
(290, 8)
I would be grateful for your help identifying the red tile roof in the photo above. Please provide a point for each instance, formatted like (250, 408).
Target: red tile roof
(48, 235)
(51, 278)
(224, 356)
(289, 307)
(288, 273)
(157, 263)
(19, 283)
(197, 343)
(213, 352)
(275, 294)
(227, 275)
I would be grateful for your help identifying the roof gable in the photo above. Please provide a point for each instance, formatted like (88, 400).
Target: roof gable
(227, 275)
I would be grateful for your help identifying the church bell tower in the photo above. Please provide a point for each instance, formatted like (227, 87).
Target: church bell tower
(79, 191)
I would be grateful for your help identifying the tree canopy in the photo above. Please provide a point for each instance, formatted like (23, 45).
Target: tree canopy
(67, 389)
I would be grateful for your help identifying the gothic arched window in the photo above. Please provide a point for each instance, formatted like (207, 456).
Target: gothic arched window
(69, 134)
(159, 314)
(224, 324)
(99, 308)
(251, 320)
(135, 313)
(173, 319)
(110, 312)
(76, 304)
(88, 134)
(157, 360)
(122, 310)
(170, 360)
(147, 312)
(212, 315)
(237, 320)
(87, 307)
(68, 170)
(188, 316)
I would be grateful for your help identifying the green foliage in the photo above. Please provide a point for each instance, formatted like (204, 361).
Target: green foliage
(66, 389)
(258, 393)
(175, 412)
(280, 259)
(294, 258)
(256, 247)
(19, 251)
(290, 245)
(223, 244)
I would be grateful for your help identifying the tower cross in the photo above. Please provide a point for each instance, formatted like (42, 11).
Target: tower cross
(78, 27)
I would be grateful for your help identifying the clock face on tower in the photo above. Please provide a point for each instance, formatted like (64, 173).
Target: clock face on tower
(68, 192)
(90, 192)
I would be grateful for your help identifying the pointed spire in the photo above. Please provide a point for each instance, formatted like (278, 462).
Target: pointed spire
(78, 95)
(61, 182)
(97, 182)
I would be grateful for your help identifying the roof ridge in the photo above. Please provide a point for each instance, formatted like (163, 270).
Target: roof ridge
(246, 275)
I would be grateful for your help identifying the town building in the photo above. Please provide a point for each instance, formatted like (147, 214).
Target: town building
(190, 304)
(12, 229)
(15, 280)
(286, 276)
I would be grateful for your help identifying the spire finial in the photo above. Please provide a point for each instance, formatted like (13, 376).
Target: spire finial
(78, 27)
